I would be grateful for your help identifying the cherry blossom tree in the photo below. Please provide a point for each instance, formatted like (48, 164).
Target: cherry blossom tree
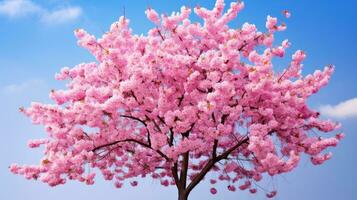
(183, 101)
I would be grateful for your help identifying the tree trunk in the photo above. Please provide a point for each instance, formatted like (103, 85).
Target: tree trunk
(182, 195)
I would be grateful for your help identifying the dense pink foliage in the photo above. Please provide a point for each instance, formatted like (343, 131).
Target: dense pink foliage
(177, 101)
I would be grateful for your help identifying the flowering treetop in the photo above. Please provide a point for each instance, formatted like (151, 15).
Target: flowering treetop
(176, 102)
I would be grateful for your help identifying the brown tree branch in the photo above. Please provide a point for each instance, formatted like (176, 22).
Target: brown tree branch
(174, 170)
(180, 100)
(134, 141)
(143, 122)
(183, 175)
(214, 152)
(171, 139)
(135, 118)
(158, 30)
(185, 160)
(211, 163)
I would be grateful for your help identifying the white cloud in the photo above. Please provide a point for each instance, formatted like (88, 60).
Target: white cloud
(23, 87)
(345, 109)
(62, 15)
(22, 8)
(18, 8)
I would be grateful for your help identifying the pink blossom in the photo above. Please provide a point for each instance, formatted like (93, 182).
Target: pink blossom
(319, 159)
(213, 181)
(231, 188)
(134, 183)
(271, 23)
(253, 191)
(213, 191)
(165, 183)
(245, 186)
(152, 16)
(286, 13)
(37, 143)
(271, 194)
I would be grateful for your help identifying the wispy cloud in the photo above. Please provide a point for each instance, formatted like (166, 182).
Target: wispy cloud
(22, 87)
(345, 109)
(62, 15)
(18, 8)
(22, 8)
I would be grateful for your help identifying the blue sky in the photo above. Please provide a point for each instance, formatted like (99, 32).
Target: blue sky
(36, 40)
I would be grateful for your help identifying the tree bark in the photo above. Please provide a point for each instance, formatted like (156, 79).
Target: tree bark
(182, 195)
(183, 191)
